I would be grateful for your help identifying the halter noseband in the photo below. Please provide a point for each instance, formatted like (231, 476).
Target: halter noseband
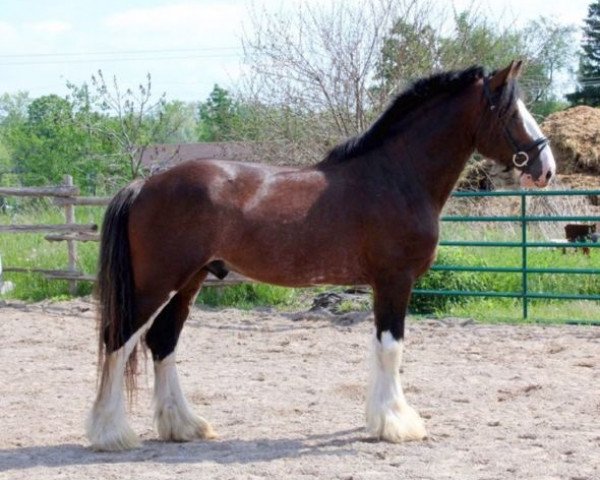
(520, 156)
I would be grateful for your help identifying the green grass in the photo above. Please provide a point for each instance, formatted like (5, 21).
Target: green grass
(29, 250)
(511, 310)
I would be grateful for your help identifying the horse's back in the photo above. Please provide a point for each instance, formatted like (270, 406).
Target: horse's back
(214, 181)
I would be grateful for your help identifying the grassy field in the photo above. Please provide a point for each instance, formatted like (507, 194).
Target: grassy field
(29, 250)
(32, 251)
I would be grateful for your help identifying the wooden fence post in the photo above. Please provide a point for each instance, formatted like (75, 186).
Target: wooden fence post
(71, 244)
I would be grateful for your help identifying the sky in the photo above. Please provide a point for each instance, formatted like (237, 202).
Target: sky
(187, 46)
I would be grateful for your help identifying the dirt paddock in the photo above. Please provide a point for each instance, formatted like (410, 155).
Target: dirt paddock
(285, 393)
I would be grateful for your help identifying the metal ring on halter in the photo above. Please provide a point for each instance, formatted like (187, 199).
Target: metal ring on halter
(518, 155)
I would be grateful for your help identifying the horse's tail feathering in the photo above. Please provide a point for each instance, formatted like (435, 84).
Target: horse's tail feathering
(115, 287)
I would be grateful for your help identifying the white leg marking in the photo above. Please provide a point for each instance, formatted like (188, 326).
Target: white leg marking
(107, 427)
(389, 417)
(174, 419)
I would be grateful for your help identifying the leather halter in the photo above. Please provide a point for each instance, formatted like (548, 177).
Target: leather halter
(521, 157)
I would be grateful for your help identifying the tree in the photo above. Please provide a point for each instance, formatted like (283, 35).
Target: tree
(478, 40)
(588, 92)
(218, 117)
(179, 123)
(5, 161)
(131, 120)
(544, 44)
(47, 144)
(549, 47)
(13, 115)
(13, 108)
(409, 51)
(416, 49)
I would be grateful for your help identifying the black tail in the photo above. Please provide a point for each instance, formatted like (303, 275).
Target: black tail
(115, 288)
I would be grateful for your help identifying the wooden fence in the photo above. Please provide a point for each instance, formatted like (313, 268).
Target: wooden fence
(67, 197)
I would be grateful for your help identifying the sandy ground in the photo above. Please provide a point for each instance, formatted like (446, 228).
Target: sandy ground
(286, 395)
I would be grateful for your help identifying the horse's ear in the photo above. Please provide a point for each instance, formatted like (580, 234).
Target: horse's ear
(517, 69)
(501, 77)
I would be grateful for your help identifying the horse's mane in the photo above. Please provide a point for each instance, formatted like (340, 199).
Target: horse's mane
(420, 91)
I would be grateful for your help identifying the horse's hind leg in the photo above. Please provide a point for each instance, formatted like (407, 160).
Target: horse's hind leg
(174, 419)
(107, 426)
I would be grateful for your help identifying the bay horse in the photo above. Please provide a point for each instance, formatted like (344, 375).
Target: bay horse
(368, 213)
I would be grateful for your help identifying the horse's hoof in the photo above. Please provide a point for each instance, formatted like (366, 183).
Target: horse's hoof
(397, 425)
(174, 425)
(111, 437)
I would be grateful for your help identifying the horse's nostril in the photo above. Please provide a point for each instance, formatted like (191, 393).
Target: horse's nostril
(549, 175)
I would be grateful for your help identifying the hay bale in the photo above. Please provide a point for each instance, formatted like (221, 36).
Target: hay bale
(575, 139)
(487, 175)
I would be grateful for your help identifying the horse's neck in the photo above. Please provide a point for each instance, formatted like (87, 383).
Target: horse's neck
(436, 148)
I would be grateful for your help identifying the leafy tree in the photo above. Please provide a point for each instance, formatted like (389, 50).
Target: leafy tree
(45, 146)
(477, 40)
(102, 168)
(589, 62)
(224, 118)
(179, 123)
(5, 160)
(45, 139)
(12, 112)
(409, 51)
(549, 48)
(13, 108)
(218, 116)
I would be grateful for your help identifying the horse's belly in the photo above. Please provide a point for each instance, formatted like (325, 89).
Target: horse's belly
(293, 272)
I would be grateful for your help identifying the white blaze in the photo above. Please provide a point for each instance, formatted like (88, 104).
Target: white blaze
(546, 157)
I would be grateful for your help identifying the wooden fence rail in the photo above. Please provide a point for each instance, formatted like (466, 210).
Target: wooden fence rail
(67, 197)
(59, 191)
(66, 227)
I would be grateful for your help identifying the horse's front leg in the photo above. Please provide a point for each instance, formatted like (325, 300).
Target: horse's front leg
(389, 417)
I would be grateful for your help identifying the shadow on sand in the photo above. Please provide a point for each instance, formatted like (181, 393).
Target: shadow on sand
(219, 451)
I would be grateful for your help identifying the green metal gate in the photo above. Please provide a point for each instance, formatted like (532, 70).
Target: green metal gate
(524, 245)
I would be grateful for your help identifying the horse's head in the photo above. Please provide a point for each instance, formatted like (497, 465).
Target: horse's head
(509, 134)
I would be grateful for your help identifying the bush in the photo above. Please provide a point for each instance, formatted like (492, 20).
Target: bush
(425, 304)
(246, 295)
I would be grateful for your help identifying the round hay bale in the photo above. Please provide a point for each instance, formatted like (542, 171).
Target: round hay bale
(575, 139)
